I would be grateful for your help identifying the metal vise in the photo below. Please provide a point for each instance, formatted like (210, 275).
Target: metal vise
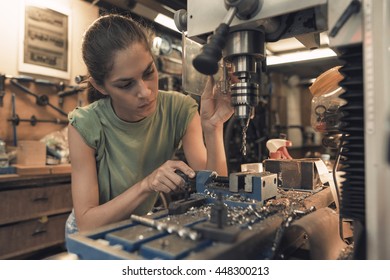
(241, 187)
(258, 186)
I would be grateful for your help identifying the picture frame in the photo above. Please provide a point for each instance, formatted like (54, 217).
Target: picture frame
(44, 45)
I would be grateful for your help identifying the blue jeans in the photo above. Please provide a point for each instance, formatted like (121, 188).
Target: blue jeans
(70, 227)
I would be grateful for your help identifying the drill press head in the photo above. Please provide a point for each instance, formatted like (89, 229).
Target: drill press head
(243, 58)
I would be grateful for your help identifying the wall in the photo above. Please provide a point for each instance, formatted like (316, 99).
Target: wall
(82, 14)
(290, 110)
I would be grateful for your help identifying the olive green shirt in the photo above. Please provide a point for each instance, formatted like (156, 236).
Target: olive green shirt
(126, 152)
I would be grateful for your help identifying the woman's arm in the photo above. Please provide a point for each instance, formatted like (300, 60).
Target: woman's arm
(193, 145)
(85, 190)
(215, 110)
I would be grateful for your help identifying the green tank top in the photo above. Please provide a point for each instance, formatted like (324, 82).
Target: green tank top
(128, 152)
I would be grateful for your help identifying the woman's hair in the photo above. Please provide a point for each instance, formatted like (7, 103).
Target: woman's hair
(104, 37)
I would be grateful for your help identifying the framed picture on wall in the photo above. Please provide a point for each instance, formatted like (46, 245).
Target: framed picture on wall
(44, 39)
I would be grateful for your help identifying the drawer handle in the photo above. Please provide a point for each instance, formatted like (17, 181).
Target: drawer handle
(41, 198)
(41, 228)
(39, 231)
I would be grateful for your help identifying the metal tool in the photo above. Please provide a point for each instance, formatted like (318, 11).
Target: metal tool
(41, 100)
(353, 8)
(14, 116)
(190, 183)
(243, 60)
(243, 57)
(2, 89)
(182, 205)
(219, 212)
(33, 120)
(181, 231)
(74, 90)
(295, 214)
(80, 78)
(24, 78)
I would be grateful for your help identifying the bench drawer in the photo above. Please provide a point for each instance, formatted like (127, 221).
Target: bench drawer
(24, 237)
(27, 203)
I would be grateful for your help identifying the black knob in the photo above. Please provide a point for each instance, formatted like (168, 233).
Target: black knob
(207, 61)
(182, 174)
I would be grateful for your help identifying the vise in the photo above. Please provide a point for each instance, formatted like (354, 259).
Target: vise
(239, 188)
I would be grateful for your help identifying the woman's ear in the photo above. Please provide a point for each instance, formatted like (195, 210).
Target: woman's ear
(97, 87)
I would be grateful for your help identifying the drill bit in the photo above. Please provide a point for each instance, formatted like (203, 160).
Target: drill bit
(245, 126)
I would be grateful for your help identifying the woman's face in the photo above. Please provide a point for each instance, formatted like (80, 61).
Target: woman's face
(133, 83)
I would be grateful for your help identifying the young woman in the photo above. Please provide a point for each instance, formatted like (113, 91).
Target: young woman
(121, 144)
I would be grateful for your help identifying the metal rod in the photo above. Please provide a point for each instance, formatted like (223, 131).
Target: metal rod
(41, 100)
(230, 15)
(181, 231)
(13, 117)
(33, 120)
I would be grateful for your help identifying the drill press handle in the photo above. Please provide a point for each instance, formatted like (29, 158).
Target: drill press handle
(207, 61)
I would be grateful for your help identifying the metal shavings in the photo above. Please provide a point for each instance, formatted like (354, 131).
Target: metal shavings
(170, 228)
(347, 253)
(238, 215)
(162, 227)
(117, 247)
(103, 242)
(164, 243)
(289, 201)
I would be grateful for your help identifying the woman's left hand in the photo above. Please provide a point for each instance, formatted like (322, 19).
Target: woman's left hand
(215, 108)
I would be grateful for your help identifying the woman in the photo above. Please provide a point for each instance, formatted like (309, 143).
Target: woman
(121, 144)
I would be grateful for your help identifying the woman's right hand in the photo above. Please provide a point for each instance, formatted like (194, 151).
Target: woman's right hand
(164, 179)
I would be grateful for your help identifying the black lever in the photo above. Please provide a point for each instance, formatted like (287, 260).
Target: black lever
(207, 61)
(14, 116)
(353, 8)
(2, 89)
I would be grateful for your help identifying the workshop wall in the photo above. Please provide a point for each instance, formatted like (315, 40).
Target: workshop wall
(82, 14)
(290, 113)
(282, 113)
